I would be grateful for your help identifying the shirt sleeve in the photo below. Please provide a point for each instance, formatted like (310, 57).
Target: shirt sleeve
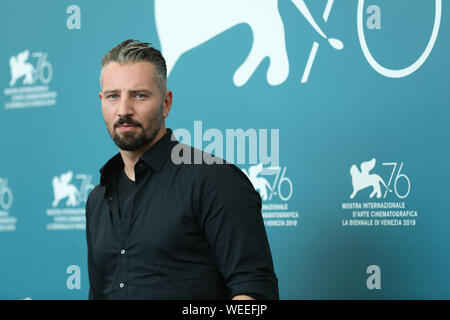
(94, 274)
(230, 216)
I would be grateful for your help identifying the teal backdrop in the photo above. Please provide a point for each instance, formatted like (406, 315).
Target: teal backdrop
(354, 176)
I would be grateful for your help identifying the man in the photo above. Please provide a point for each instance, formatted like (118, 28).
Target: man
(160, 229)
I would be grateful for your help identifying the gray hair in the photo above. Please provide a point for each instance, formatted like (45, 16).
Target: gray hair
(131, 51)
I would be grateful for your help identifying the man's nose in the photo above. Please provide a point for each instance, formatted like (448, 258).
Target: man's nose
(125, 106)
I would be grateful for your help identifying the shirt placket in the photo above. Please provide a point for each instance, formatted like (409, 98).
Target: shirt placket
(124, 234)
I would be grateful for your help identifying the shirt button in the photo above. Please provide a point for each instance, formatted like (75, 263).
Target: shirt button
(121, 285)
(122, 251)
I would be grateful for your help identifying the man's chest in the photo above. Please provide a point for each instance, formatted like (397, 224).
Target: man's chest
(154, 224)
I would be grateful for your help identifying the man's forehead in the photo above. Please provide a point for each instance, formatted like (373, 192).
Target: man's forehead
(128, 75)
(141, 68)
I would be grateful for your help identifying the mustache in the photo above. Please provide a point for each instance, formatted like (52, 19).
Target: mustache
(127, 120)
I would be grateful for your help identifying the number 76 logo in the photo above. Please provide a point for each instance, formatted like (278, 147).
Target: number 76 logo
(256, 175)
(362, 179)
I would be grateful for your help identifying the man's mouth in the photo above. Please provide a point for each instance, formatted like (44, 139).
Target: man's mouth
(126, 127)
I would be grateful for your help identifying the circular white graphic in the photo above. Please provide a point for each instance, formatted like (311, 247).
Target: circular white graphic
(405, 71)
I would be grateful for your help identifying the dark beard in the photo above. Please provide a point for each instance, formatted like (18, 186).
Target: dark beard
(132, 141)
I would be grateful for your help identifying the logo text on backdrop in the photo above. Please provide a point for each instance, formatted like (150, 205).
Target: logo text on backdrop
(31, 74)
(68, 205)
(380, 211)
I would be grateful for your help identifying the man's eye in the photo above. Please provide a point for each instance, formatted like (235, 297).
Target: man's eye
(141, 95)
(111, 96)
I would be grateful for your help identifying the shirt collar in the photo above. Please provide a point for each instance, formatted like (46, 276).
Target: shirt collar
(155, 157)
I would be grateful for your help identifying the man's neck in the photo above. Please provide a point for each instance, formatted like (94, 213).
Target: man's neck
(130, 158)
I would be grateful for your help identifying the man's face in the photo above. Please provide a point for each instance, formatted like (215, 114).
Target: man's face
(133, 106)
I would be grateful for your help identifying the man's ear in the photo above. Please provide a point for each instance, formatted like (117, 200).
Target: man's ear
(168, 98)
(100, 95)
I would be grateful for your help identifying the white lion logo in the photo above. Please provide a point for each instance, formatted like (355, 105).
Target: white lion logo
(183, 25)
(362, 180)
(63, 189)
(20, 68)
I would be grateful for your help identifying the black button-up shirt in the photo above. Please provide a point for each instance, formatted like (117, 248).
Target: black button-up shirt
(188, 231)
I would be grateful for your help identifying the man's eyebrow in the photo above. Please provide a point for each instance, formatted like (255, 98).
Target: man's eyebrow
(131, 91)
(140, 90)
(111, 91)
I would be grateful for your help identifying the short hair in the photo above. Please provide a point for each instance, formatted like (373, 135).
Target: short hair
(131, 51)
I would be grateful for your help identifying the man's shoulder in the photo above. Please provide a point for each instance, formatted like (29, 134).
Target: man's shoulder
(203, 163)
(210, 171)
